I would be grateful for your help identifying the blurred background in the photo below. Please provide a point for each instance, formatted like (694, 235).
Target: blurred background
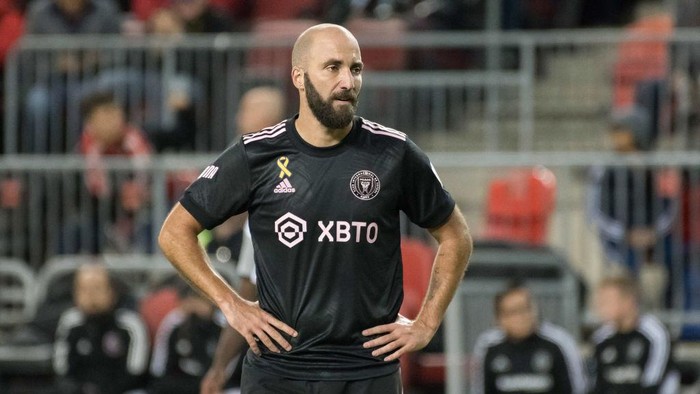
(567, 131)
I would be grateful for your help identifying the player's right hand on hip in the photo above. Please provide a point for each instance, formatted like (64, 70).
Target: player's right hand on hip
(258, 326)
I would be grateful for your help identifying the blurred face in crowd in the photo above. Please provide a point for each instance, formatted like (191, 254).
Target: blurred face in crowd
(189, 10)
(165, 22)
(259, 108)
(332, 76)
(622, 139)
(72, 7)
(614, 306)
(92, 292)
(516, 314)
(107, 123)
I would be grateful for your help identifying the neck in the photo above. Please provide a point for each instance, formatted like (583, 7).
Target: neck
(315, 133)
(628, 323)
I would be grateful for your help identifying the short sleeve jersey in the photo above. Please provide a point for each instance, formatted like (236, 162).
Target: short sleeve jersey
(326, 236)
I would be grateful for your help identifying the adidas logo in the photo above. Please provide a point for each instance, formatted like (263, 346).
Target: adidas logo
(285, 187)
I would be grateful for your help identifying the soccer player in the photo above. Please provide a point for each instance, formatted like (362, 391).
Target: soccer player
(323, 191)
(523, 355)
(632, 350)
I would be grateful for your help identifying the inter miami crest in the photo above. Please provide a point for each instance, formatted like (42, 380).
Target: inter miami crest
(364, 185)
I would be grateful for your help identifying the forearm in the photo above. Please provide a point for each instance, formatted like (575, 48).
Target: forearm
(453, 253)
(180, 245)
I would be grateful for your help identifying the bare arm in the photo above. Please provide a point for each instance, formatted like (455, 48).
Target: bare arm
(407, 335)
(178, 240)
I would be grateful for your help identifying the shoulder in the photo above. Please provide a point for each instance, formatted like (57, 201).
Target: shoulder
(381, 131)
(603, 334)
(70, 319)
(555, 334)
(489, 339)
(129, 320)
(268, 136)
(652, 328)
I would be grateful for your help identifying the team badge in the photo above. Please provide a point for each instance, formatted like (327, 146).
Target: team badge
(608, 355)
(500, 364)
(365, 185)
(541, 361)
(112, 344)
(635, 350)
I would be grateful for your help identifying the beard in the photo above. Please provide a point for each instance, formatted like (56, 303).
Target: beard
(323, 109)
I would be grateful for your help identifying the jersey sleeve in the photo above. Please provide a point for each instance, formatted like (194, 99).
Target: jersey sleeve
(222, 189)
(423, 198)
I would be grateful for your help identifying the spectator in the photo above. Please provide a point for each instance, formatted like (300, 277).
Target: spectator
(633, 217)
(199, 17)
(50, 119)
(107, 133)
(632, 350)
(185, 344)
(523, 355)
(99, 349)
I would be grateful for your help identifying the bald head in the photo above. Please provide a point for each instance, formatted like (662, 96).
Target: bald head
(93, 291)
(304, 43)
(260, 107)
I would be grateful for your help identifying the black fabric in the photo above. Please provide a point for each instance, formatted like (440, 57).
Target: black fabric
(326, 235)
(259, 382)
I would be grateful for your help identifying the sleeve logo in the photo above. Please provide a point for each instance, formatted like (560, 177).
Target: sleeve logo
(365, 185)
(209, 172)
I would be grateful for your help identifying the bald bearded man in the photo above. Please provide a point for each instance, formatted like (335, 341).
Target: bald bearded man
(323, 190)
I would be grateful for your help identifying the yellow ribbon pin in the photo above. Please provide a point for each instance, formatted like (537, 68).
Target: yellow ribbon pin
(282, 164)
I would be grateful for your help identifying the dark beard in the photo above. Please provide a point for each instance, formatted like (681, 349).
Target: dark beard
(323, 110)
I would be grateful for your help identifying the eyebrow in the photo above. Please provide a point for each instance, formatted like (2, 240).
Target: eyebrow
(337, 62)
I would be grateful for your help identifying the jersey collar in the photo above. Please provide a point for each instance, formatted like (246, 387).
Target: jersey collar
(330, 151)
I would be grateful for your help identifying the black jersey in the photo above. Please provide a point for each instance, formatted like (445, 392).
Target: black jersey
(546, 362)
(101, 354)
(633, 362)
(325, 229)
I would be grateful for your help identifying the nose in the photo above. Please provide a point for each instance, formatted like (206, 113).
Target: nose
(347, 79)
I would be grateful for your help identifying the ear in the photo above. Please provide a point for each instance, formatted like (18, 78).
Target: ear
(298, 78)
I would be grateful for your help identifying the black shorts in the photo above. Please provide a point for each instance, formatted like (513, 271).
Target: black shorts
(254, 381)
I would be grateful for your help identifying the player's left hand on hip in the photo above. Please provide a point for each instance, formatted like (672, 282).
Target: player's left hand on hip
(400, 337)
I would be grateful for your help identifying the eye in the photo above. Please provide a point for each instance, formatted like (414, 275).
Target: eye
(332, 67)
(357, 69)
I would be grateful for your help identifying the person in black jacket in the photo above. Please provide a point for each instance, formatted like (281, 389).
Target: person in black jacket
(632, 350)
(99, 348)
(185, 344)
(522, 355)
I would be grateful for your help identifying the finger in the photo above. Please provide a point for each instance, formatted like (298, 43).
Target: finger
(265, 339)
(253, 344)
(282, 326)
(386, 348)
(394, 356)
(384, 339)
(378, 329)
(277, 337)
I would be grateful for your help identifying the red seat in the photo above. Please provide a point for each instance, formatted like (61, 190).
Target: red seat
(155, 306)
(519, 206)
(418, 260)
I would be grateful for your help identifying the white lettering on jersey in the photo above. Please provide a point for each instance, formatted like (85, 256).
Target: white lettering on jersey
(524, 383)
(343, 231)
(624, 374)
(285, 187)
(209, 172)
